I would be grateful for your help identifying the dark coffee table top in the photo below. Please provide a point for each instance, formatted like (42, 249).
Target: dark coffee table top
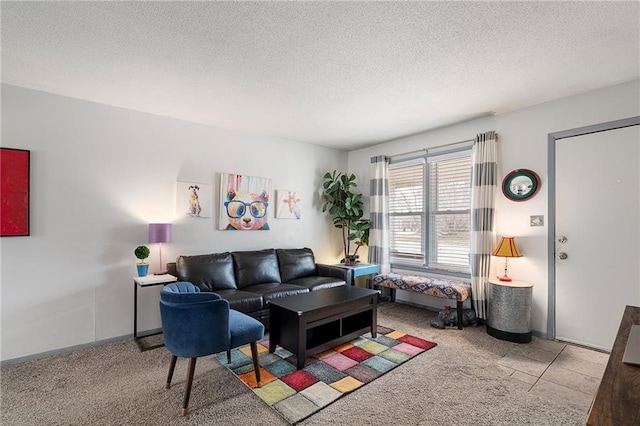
(320, 299)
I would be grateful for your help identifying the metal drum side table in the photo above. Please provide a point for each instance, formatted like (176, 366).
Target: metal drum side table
(509, 310)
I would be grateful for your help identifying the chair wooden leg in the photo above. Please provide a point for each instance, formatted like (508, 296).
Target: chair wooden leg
(228, 356)
(172, 367)
(256, 365)
(187, 391)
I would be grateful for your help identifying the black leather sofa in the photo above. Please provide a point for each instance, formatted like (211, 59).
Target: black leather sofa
(249, 279)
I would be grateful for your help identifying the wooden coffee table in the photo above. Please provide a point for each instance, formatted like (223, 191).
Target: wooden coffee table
(308, 323)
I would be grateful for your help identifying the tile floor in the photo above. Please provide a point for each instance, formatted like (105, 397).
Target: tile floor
(547, 367)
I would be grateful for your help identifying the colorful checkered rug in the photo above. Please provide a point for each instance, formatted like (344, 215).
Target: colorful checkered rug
(327, 376)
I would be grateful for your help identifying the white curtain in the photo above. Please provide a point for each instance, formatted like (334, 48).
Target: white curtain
(483, 191)
(379, 210)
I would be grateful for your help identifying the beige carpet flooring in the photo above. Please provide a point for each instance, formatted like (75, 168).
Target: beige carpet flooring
(459, 382)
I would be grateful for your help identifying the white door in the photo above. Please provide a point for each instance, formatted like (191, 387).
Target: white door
(598, 212)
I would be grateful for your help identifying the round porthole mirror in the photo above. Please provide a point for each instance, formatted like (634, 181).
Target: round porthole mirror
(520, 185)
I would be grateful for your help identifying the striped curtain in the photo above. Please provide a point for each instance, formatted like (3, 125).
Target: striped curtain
(483, 192)
(379, 210)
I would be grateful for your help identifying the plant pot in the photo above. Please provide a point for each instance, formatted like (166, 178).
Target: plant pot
(143, 269)
(351, 260)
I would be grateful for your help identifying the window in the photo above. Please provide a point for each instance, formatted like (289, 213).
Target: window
(430, 212)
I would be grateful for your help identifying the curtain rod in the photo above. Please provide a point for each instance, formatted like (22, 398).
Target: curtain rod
(426, 150)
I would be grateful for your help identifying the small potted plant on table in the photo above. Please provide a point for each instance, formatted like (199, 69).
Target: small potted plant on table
(142, 252)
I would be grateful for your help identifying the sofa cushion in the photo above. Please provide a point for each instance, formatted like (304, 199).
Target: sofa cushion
(209, 272)
(255, 267)
(275, 290)
(296, 263)
(318, 283)
(242, 301)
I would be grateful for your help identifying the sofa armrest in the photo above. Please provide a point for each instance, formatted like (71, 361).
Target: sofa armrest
(334, 271)
(172, 269)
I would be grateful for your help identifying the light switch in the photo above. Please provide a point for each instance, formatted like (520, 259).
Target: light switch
(537, 220)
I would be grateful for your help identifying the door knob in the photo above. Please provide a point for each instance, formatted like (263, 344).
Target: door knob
(562, 239)
(562, 255)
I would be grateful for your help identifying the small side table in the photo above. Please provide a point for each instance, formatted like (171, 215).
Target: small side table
(360, 270)
(148, 281)
(509, 310)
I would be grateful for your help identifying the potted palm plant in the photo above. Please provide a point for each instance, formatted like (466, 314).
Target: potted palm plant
(345, 208)
(142, 252)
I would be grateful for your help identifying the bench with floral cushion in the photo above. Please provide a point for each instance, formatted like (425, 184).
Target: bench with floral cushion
(436, 287)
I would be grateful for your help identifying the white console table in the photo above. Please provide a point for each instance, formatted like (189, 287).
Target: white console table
(147, 281)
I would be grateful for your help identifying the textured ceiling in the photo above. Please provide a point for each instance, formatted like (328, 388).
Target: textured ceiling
(343, 75)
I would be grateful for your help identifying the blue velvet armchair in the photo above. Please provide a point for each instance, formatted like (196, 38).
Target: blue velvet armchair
(198, 323)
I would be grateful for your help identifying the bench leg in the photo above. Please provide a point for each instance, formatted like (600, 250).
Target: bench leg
(459, 312)
(384, 290)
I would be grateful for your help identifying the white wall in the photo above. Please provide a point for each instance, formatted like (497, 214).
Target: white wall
(99, 175)
(523, 144)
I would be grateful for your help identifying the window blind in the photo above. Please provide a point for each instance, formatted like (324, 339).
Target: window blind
(429, 212)
(406, 212)
(449, 213)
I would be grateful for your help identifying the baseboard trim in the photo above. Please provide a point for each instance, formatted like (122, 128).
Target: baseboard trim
(540, 335)
(68, 349)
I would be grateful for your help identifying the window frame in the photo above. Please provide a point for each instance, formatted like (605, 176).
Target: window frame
(426, 159)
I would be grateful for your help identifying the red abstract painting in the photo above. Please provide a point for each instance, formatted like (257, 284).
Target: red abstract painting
(14, 192)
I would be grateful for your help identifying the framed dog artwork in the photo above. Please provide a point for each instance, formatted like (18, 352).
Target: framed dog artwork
(244, 202)
(14, 192)
(194, 199)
